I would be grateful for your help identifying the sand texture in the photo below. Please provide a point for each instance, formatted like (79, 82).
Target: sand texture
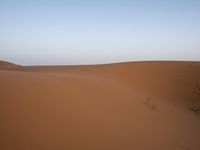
(123, 106)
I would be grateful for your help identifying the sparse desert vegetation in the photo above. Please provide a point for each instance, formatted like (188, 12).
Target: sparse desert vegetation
(147, 101)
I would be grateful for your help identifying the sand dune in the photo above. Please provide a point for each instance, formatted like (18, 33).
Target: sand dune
(7, 65)
(125, 106)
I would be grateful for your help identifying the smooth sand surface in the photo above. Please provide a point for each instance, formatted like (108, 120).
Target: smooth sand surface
(125, 106)
(7, 65)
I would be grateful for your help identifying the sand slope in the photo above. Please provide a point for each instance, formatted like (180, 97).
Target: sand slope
(7, 65)
(125, 106)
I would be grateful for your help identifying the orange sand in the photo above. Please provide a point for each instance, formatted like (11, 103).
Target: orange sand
(125, 106)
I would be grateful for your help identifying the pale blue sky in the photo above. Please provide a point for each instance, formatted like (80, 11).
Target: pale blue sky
(34, 32)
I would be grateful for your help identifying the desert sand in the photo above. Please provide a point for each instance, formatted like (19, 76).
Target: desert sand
(122, 106)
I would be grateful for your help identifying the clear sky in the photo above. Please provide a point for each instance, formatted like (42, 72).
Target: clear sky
(34, 32)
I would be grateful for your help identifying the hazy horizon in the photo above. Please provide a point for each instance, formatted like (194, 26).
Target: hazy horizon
(94, 32)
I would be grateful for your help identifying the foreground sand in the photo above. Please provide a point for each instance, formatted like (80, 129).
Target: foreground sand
(126, 106)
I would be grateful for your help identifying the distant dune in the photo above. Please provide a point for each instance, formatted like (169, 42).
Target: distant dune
(124, 106)
(7, 65)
